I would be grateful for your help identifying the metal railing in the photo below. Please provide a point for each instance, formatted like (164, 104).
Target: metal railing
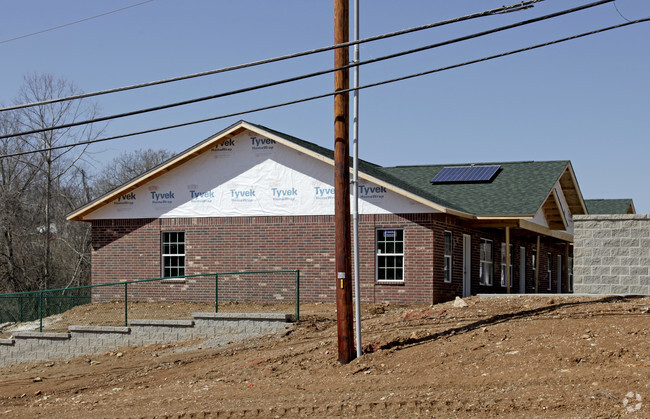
(156, 298)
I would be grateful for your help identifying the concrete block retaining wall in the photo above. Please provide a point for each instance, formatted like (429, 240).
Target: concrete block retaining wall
(87, 340)
(612, 254)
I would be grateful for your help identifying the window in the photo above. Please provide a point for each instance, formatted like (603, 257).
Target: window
(448, 247)
(503, 265)
(173, 254)
(486, 271)
(549, 270)
(390, 255)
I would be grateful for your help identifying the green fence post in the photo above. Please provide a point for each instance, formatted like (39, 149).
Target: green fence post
(297, 294)
(20, 308)
(40, 310)
(216, 293)
(126, 311)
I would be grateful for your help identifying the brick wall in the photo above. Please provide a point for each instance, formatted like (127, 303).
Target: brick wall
(130, 249)
(612, 254)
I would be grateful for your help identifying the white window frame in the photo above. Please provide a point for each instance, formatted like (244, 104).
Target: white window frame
(380, 272)
(486, 264)
(503, 265)
(448, 257)
(549, 270)
(174, 251)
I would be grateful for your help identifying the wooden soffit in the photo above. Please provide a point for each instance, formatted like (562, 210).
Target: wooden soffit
(553, 212)
(521, 227)
(571, 191)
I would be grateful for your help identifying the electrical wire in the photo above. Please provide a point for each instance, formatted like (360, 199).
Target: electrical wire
(516, 7)
(366, 86)
(305, 76)
(619, 12)
(74, 23)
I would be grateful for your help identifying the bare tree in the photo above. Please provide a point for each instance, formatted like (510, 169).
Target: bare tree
(52, 169)
(17, 177)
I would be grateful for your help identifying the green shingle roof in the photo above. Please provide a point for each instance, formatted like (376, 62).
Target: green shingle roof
(518, 189)
(608, 206)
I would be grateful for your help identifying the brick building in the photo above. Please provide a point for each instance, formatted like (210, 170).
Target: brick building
(251, 198)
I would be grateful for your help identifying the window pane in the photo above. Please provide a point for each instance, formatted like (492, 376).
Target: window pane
(447, 243)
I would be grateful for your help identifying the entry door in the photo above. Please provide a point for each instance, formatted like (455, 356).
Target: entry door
(467, 265)
(559, 274)
(522, 270)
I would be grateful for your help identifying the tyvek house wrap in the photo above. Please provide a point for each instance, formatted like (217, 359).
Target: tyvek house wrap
(249, 175)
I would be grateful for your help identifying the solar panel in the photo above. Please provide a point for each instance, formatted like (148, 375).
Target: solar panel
(450, 174)
(457, 174)
(480, 173)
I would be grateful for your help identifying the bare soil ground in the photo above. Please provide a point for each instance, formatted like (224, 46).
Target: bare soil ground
(510, 357)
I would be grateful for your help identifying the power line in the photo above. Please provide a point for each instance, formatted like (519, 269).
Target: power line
(311, 98)
(305, 76)
(619, 12)
(74, 23)
(516, 7)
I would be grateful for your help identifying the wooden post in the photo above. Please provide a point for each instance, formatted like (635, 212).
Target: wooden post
(508, 256)
(342, 186)
(565, 269)
(537, 266)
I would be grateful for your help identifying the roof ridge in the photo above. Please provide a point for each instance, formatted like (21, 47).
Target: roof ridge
(477, 163)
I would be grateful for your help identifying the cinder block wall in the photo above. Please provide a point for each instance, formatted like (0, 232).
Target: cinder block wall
(612, 254)
(86, 340)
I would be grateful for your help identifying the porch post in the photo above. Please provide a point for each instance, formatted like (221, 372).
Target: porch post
(537, 267)
(565, 268)
(507, 275)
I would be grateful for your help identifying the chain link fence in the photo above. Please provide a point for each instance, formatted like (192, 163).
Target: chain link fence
(174, 298)
(30, 306)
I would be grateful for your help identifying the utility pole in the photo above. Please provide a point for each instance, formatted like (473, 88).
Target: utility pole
(342, 185)
(355, 181)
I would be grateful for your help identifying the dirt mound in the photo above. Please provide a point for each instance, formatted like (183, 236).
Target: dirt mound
(560, 357)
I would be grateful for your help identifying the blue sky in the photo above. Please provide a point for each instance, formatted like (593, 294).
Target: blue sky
(586, 100)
